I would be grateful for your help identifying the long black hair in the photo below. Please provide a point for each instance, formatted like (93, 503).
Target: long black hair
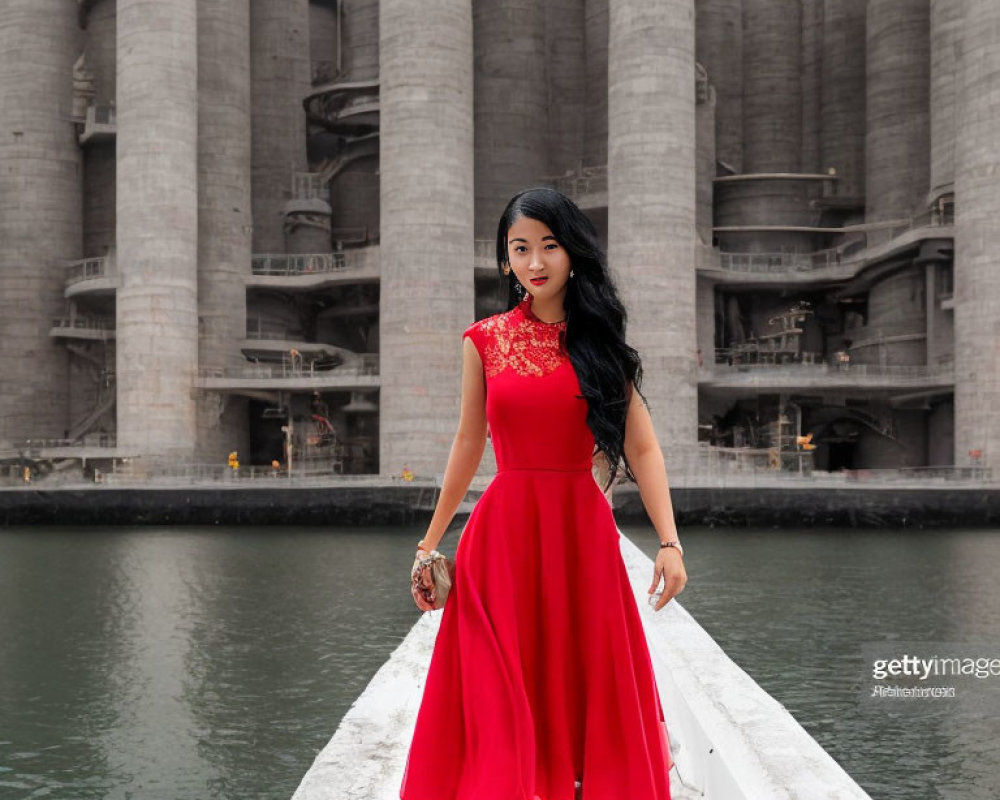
(595, 317)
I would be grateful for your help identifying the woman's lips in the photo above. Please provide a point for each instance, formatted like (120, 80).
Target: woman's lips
(538, 281)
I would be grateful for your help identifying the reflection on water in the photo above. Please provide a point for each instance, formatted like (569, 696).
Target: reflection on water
(189, 663)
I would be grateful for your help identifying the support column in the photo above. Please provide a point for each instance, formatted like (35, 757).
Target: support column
(157, 226)
(595, 132)
(897, 109)
(511, 105)
(651, 205)
(427, 196)
(224, 216)
(40, 201)
(280, 80)
(719, 48)
(977, 237)
(843, 96)
(945, 36)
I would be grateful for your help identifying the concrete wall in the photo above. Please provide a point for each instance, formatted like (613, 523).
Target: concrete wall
(157, 312)
(280, 79)
(898, 126)
(359, 21)
(595, 135)
(977, 237)
(427, 161)
(224, 213)
(40, 210)
(651, 204)
(843, 95)
(566, 61)
(719, 48)
(511, 98)
(99, 157)
(945, 49)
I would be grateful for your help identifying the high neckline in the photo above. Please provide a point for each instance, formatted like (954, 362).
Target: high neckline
(526, 308)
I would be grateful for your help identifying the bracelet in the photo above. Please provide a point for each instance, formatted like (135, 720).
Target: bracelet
(674, 544)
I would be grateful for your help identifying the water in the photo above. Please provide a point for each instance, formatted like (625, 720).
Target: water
(195, 663)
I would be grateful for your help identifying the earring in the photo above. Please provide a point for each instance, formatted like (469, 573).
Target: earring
(571, 273)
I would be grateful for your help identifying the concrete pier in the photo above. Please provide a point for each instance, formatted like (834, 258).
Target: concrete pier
(157, 180)
(651, 203)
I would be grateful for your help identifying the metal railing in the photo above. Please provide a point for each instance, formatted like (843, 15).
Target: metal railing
(310, 264)
(728, 362)
(846, 254)
(143, 470)
(87, 269)
(90, 440)
(588, 180)
(366, 364)
(309, 186)
(104, 324)
(715, 465)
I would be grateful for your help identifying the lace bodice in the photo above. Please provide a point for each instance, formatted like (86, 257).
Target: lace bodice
(518, 340)
(536, 413)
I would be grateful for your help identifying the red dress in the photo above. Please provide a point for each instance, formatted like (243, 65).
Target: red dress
(541, 674)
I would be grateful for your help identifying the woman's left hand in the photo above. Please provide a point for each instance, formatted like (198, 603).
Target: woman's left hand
(669, 566)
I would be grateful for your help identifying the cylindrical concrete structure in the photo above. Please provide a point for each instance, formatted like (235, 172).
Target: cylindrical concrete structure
(898, 131)
(354, 192)
(772, 85)
(323, 40)
(945, 34)
(359, 40)
(565, 43)
(280, 79)
(157, 226)
(843, 97)
(812, 89)
(595, 130)
(40, 217)
(651, 205)
(719, 48)
(896, 328)
(99, 156)
(772, 133)
(224, 215)
(427, 194)
(977, 238)
(511, 101)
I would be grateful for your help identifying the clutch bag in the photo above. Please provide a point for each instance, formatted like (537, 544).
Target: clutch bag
(430, 580)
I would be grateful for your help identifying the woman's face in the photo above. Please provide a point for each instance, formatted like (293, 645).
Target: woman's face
(534, 253)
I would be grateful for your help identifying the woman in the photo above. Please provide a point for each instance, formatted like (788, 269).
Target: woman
(540, 686)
